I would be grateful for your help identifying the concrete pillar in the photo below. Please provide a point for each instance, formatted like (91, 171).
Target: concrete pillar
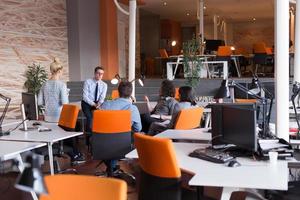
(215, 27)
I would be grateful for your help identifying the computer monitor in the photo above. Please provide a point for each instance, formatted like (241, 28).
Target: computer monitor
(239, 127)
(217, 119)
(213, 45)
(30, 105)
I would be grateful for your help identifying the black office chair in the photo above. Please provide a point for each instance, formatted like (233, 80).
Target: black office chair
(111, 139)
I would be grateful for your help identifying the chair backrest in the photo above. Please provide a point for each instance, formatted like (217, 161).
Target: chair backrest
(269, 50)
(77, 187)
(111, 121)
(114, 94)
(259, 47)
(111, 134)
(163, 53)
(224, 51)
(157, 156)
(189, 118)
(68, 117)
(177, 93)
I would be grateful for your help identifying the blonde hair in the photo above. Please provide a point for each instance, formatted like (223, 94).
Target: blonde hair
(55, 66)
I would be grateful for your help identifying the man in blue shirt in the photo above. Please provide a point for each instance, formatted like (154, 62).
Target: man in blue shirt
(94, 92)
(125, 103)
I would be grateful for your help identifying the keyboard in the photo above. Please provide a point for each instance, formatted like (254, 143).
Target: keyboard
(211, 155)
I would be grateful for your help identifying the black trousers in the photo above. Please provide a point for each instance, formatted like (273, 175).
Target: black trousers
(88, 112)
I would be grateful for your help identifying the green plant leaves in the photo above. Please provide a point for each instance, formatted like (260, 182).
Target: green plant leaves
(35, 75)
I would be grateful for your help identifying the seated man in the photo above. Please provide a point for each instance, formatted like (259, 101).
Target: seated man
(124, 103)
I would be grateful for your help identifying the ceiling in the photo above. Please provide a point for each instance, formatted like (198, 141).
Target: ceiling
(231, 10)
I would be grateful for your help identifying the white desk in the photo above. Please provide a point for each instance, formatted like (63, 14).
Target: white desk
(251, 174)
(200, 134)
(12, 150)
(57, 134)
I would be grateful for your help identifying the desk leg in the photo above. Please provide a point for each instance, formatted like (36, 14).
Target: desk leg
(51, 163)
(169, 71)
(226, 193)
(21, 168)
(207, 120)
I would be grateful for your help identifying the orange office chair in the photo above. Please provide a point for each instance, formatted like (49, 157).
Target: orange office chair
(263, 57)
(160, 174)
(245, 100)
(114, 94)
(224, 54)
(177, 93)
(78, 187)
(111, 136)
(67, 121)
(189, 118)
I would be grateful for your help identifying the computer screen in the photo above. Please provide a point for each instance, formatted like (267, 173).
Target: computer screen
(30, 105)
(217, 119)
(239, 127)
(213, 45)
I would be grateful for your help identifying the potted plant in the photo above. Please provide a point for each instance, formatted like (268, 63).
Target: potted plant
(193, 67)
(35, 75)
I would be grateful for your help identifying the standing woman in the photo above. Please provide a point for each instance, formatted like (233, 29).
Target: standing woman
(53, 93)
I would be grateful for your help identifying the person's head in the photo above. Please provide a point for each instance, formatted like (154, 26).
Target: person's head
(56, 67)
(186, 94)
(167, 89)
(98, 73)
(125, 89)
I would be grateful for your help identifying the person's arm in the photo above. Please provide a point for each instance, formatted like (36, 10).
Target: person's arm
(102, 93)
(64, 95)
(150, 108)
(136, 119)
(85, 95)
(40, 99)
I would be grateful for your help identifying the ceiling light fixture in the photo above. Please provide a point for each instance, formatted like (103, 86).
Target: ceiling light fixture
(165, 3)
(188, 14)
(254, 19)
(204, 7)
(173, 43)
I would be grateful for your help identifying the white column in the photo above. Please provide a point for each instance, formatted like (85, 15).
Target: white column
(132, 32)
(201, 23)
(215, 27)
(281, 69)
(297, 46)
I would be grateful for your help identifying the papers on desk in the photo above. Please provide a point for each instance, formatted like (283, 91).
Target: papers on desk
(272, 144)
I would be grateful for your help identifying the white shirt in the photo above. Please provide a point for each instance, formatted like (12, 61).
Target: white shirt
(89, 88)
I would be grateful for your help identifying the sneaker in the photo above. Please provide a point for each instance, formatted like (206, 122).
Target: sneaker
(78, 159)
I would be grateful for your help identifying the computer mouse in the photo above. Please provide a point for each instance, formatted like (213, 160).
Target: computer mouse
(36, 124)
(234, 163)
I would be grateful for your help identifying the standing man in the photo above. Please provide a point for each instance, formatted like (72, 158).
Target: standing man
(94, 92)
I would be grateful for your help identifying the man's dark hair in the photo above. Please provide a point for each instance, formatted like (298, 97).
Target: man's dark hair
(187, 95)
(98, 68)
(125, 89)
(167, 89)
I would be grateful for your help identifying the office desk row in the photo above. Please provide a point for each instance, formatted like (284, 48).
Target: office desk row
(250, 175)
(34, 136)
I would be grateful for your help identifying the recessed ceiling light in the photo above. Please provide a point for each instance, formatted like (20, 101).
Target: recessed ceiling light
(204, 7)
(165, 3)
(254, 19)
(188, 14)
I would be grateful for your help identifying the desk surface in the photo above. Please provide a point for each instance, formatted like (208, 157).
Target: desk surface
(56, 134)
(12, 148)
(194, 134)
(251, 173)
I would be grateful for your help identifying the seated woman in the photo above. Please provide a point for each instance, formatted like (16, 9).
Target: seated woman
(186, 100)
(164, 108)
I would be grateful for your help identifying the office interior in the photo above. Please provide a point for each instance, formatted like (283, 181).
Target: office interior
(240, 45)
